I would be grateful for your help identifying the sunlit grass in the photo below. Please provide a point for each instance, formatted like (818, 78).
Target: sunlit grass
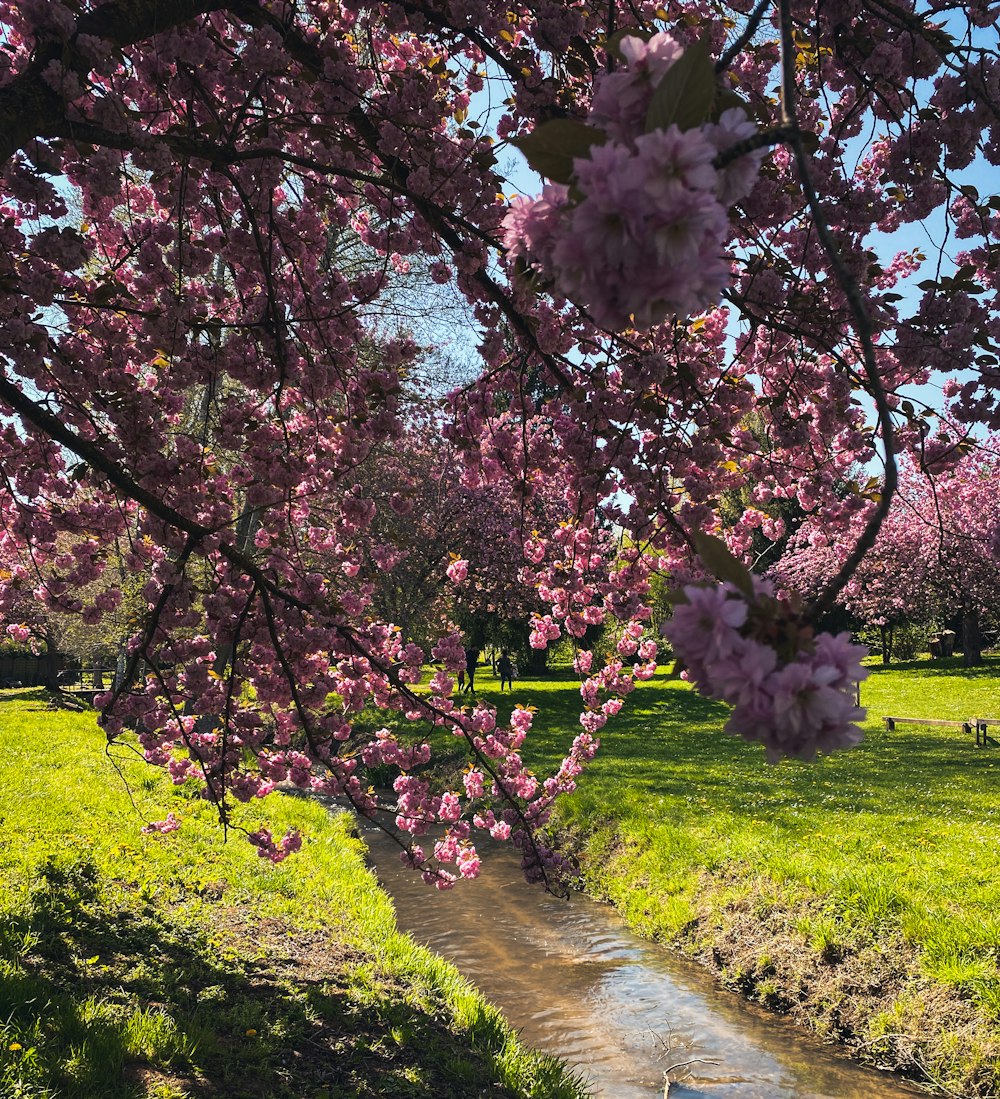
(888, 847)
(173, 965)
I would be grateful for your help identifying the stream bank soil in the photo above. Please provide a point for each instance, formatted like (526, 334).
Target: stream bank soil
(869, 996)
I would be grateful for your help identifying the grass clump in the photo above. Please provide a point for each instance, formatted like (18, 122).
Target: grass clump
(178, 966)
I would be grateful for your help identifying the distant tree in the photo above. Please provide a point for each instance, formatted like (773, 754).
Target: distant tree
(937, 554)
(52, 607)
(425, 520)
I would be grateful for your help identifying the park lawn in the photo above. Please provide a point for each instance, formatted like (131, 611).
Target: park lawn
(178, 965)
(860, 893)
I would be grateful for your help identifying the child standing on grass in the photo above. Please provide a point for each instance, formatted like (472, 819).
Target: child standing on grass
(505, 669)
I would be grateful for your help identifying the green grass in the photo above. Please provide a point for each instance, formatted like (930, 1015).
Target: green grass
(795, 878)
(180, 966)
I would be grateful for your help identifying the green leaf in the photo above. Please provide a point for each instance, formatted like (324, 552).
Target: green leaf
(685, 95)
(810, 142)
(715, 556)
(727, 100)
(552, 147)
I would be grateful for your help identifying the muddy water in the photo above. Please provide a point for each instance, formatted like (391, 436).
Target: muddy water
(576, 982)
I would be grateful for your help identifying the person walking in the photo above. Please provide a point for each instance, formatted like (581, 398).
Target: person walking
(471, 660)
(505, 669)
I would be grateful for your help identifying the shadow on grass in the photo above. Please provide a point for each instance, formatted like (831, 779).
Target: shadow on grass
(102, 1002)
(943, 666)
(668, 743)
(45, 699)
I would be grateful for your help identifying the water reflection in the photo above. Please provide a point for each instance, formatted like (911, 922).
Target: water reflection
(577, 983)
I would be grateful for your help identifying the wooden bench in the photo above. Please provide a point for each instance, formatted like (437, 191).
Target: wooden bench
(965, 726)
(982, 724)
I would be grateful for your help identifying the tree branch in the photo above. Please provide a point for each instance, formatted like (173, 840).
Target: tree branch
(50, 425)
(748, 32)
(30, 107)
(862, 321)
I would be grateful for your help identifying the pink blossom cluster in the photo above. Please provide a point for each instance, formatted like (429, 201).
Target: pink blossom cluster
(640, 236)
(796, 703)
(162, 827)
(458, 571)
(543, 630)
(501, 777)
(278, 851)
(386, 749)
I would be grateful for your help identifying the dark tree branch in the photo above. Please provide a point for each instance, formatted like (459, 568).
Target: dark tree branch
(51, 426)
(859, 311)
(748, 32)
(762, 139)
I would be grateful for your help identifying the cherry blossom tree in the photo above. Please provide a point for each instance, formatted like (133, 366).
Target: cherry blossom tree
(186, 362)
(48, 617)
(891, 586)
(936, 555)
(437, 551)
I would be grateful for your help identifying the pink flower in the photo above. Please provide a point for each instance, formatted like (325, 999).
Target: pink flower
(473, 781)
(582, 662)
(799, 708)
(676, 158)
(171, 824)
(468, 862)
(705, 628)
(622, 98)
(738, 177)
(531, 225)
(458, 571)
(644, 216)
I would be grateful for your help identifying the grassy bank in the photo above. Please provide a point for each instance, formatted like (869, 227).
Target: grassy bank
(861, 894)
(174, 966)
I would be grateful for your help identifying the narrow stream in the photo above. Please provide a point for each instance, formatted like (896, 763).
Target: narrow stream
(576, 982)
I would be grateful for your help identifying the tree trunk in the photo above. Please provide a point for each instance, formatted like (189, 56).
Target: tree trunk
(538, 660)
(886, 644)
(51, 666)
(972, 638)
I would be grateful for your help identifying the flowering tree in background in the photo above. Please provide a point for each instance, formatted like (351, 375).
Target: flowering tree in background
(187, 365)
(438, 552)
(891, 586)
(936, 555)
(47, 617)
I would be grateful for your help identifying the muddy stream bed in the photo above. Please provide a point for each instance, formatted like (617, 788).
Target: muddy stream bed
(577, 983)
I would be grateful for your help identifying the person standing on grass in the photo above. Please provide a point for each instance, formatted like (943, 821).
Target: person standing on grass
(471, 660)
(505, 669)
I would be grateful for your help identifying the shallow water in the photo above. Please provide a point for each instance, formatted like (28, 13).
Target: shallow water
(576, 982)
